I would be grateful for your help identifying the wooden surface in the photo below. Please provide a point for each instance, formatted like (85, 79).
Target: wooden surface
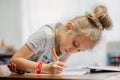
(5, 74)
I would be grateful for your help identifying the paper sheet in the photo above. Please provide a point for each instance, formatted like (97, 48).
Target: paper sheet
(67, 71)
(63, 73)
(74, 72)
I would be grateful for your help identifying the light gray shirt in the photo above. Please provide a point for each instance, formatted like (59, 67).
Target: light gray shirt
(41, 43)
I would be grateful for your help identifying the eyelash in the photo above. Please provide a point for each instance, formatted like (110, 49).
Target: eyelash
(74, 44)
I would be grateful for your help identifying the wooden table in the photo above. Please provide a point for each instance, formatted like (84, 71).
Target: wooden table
(5, 74)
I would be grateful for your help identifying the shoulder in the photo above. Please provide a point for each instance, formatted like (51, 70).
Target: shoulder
(44, 33)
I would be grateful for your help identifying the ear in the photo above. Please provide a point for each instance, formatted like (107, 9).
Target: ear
(69, 25)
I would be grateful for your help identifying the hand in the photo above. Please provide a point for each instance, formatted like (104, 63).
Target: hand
(12, 67)
(53, 67)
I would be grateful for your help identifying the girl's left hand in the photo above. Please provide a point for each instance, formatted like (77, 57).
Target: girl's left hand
(12, 67)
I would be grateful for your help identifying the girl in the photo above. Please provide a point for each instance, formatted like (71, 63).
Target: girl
(79, 34)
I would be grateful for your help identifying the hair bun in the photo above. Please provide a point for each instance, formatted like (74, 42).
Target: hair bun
(100, 12)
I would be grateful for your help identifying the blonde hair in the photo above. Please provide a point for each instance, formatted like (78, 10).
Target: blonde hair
(92, 24)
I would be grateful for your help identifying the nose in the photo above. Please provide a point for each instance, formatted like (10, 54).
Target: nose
(70, 49)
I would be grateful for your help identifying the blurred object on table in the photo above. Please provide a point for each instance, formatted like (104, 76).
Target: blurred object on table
(113, 53)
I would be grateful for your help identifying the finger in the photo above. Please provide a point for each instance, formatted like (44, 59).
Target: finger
(55, 69)
(59, 68)
(14, 67)
(61, 64)
(9, 66)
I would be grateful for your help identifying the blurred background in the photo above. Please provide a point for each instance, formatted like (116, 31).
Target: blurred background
(20, 18)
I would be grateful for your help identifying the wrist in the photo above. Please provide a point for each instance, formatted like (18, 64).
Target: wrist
(39, 67)
(44, 68)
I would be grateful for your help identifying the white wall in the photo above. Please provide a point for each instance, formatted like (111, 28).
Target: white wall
(10, 22)
(41, 12)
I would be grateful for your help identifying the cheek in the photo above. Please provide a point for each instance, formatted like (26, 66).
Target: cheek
(65, 43)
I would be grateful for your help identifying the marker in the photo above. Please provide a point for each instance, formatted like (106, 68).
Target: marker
(54, 52)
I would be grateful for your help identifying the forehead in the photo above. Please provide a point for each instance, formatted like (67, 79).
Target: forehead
(84, 43)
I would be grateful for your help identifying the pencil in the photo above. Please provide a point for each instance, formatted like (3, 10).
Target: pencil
(54, 52)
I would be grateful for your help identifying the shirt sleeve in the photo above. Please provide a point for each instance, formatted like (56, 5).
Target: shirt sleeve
(37, 41)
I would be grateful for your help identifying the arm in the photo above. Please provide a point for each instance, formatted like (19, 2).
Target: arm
(20, 59)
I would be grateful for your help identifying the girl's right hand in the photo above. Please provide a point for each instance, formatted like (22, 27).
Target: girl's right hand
(53, 67)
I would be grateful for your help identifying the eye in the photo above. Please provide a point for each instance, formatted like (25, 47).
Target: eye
(74, 44)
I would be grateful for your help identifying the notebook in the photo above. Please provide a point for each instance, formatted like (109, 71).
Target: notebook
(95, 69)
